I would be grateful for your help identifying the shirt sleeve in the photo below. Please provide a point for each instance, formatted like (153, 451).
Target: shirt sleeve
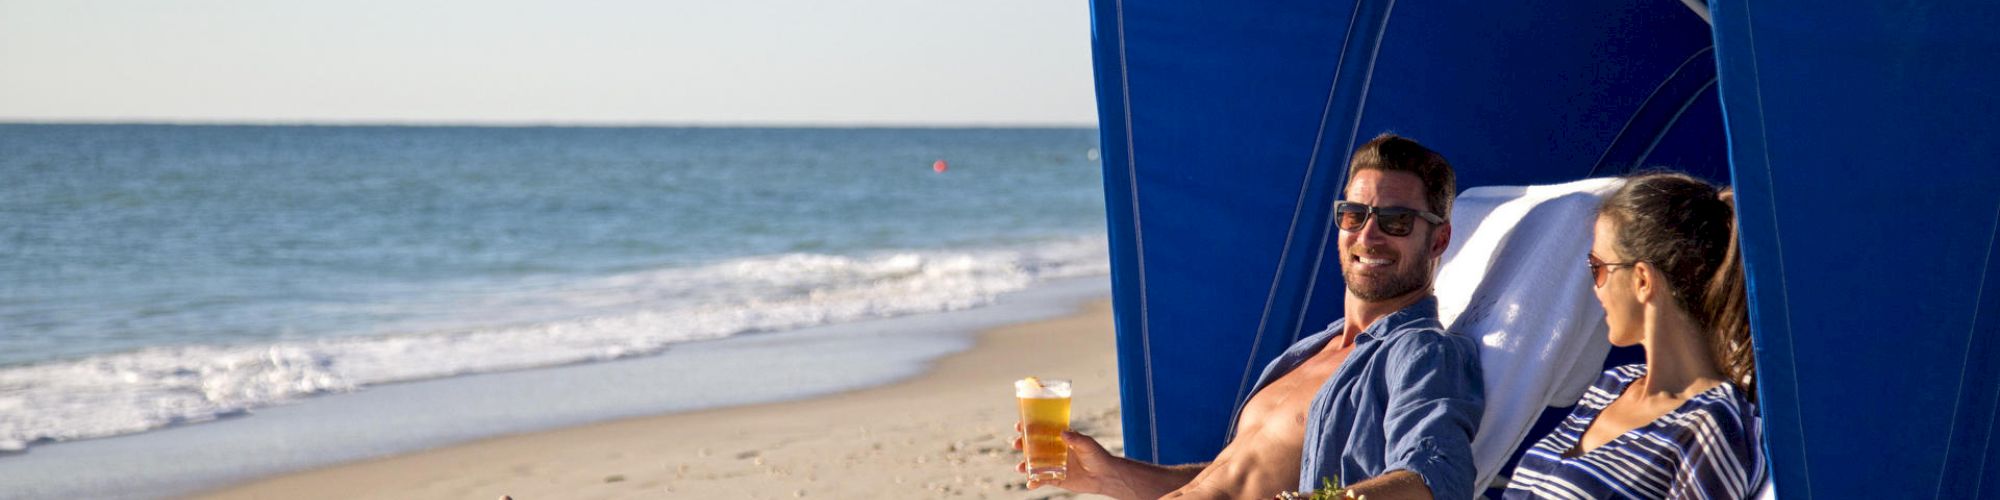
(1436, 399)
(1720, 458)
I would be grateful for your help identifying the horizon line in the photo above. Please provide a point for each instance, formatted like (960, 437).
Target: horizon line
(542, 124)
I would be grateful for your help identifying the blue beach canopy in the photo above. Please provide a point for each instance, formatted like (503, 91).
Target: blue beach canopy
(1860, 137)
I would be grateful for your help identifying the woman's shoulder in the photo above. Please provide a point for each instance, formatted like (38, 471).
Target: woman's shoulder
(1615, 379)
(1725, 407)
(1719, 424)
(1610, 384)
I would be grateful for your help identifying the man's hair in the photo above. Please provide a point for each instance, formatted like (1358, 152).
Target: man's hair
(1393, 153)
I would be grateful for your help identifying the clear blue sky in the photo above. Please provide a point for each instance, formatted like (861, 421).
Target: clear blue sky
(942, 62)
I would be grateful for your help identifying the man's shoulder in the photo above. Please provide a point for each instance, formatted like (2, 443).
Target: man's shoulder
(1420, 317)
(1431, 352)
(1429, 349)
(1426, 335)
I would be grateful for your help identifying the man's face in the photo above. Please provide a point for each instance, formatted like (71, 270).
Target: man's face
(1379, 266)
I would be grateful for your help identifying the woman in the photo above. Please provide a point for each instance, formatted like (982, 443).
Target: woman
(1665, 265)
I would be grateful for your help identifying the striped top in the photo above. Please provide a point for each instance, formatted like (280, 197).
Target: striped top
(1707, 448)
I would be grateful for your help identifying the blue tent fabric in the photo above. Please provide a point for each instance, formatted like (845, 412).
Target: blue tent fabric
(1856, 134)
(1193, 101)
(1861, 140)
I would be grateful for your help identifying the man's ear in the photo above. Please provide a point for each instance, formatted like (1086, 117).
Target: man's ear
(1442, 241)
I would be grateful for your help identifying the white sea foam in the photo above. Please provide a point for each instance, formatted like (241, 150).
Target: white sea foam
(613, 317)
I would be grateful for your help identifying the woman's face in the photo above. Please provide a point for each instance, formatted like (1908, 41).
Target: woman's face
(1623, 312)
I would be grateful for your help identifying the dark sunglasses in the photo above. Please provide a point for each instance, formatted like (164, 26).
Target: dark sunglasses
(1393, 221)
(1597, 269)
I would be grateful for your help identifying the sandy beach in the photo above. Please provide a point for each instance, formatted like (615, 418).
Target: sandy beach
(942, 434)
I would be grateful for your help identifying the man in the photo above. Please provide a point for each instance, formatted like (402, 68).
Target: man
(1384, 398)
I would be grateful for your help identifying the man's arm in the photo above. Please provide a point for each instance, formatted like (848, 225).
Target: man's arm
(1144, 481)
(1395, 485)
(1436, 398)
(1092, 469)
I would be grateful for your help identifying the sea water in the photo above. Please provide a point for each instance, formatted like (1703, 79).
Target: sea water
(154, 275)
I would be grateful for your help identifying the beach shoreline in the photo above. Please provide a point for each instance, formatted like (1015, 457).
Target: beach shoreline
(397, 419)
(943, 433)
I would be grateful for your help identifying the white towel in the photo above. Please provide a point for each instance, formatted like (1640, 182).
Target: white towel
(1514, 280)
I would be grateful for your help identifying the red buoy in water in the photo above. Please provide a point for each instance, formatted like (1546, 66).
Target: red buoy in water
(940, 166)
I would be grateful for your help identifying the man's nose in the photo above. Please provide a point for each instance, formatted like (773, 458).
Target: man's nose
(1371, 231)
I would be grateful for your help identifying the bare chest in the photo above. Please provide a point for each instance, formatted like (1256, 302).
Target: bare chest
(1263, 457)
(1285, 402)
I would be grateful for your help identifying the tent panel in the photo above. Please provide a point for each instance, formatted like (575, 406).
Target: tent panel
(1858, 144)
(1219, 96)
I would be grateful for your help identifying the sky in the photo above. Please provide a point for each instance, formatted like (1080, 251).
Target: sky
(720, 62)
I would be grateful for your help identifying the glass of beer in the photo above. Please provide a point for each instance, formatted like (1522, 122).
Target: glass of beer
(1044, 417)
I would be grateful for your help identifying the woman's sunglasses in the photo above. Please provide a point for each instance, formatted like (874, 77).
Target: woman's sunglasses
(1597, 269)
(1393, 221)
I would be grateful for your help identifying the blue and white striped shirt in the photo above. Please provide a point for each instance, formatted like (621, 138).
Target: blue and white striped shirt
(1707, 448)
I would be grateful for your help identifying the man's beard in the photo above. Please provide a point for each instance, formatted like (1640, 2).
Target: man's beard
(1396, 284)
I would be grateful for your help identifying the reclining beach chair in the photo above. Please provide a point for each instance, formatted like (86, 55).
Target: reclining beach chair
(1514, 281)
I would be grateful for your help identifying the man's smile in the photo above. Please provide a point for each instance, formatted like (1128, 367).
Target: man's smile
(1362, 262)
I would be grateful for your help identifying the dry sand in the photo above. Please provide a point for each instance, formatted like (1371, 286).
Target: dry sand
(940, 435)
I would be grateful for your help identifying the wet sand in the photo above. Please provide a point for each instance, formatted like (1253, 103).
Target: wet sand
(942, 434)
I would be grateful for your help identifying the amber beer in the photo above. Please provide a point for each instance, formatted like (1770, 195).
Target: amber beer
(1044, 417)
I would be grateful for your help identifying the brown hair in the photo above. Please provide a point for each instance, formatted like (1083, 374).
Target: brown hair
(1686, 228)
(1393, 153)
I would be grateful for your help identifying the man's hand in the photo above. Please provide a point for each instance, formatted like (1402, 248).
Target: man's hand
(1091, 469)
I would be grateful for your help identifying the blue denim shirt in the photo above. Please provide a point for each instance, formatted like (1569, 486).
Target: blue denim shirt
(1408, 397)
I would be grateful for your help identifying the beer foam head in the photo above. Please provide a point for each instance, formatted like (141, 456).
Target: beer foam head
(1032, 387)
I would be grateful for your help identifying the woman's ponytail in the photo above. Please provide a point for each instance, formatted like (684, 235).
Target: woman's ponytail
(1726, 310)
(1686, 228)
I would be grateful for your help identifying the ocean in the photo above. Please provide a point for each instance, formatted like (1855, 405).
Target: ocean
(158, 275)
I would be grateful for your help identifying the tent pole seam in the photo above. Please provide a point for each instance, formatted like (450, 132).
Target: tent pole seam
(1594, 167)
(1360, 104)
(1777, 238)
(1138, 236)
(1980, 484)
(1979, 297)
(1298, 207)
(1692, 99)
